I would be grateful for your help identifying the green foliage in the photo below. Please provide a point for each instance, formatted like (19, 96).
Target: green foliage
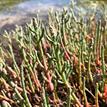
(62, 63)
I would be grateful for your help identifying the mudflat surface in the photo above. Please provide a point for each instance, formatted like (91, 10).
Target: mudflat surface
(20, 13)
(9, 23)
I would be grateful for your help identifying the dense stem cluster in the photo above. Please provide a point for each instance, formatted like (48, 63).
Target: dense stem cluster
(59, 64)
